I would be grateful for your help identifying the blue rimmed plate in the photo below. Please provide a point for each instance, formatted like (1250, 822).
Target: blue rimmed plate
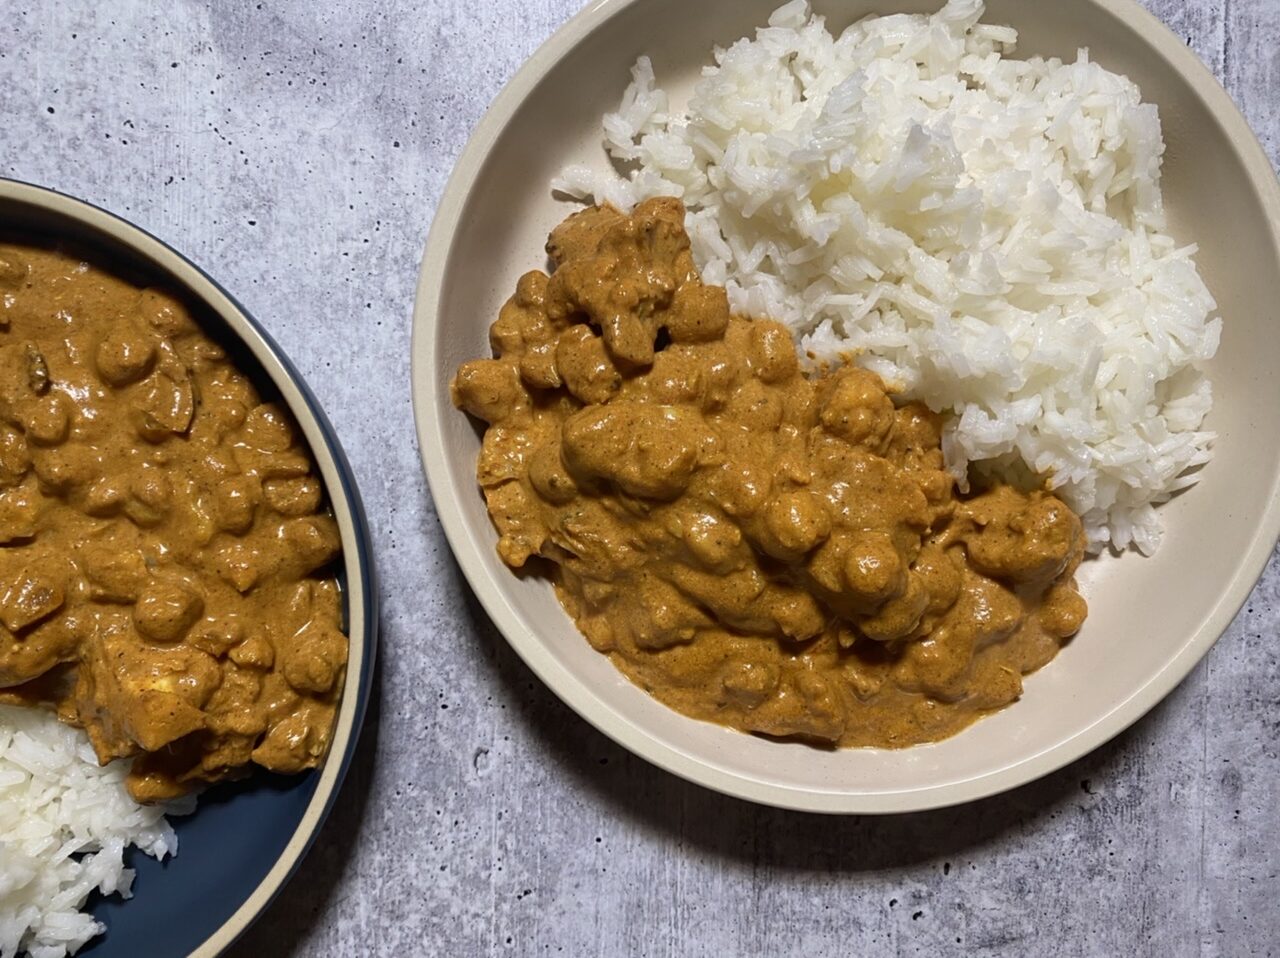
(246, 839)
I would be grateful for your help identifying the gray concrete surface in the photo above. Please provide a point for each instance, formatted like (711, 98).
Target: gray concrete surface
(296, 150)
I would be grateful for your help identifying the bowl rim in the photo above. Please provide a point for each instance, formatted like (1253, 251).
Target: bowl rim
(361, 594)
(429, 413)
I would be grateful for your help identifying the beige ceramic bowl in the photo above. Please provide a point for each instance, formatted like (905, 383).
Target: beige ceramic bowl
(1151, 619)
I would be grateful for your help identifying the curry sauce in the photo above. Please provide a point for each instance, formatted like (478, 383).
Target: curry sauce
(782, 553)
(163, 536)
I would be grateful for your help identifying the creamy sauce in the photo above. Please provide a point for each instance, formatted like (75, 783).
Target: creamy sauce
(163, 539)
(783, 554)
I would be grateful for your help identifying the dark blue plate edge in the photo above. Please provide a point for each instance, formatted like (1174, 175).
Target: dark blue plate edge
(363, 546)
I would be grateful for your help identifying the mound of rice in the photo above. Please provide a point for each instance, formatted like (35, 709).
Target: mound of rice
(986, 233)
(65, 823)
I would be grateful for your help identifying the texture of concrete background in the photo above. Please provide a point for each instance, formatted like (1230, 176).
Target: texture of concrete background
(296, 150)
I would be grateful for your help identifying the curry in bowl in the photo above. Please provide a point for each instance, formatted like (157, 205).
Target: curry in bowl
(165, 547)
(779, 552)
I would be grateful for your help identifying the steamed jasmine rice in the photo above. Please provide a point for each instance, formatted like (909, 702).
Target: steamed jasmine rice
(65, 823)
(985, 233)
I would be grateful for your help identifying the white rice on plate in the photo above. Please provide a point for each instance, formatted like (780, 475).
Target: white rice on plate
(65, 823)
(984, 232)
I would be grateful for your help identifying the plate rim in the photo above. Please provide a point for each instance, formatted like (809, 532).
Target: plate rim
(583, 700)
(339, 478)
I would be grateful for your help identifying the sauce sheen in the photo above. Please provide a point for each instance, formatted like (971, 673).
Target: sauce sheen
(782, 553)
(163, 539)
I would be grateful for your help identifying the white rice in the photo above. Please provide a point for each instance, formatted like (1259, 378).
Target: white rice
(65, 823)
(986, 233)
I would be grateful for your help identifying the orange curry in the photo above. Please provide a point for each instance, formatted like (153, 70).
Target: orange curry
(163, 537)
(781, 553)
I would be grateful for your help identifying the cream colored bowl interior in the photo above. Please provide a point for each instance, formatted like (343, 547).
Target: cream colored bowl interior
(1151, 619)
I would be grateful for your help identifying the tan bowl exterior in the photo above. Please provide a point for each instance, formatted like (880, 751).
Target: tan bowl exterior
(1151, 619)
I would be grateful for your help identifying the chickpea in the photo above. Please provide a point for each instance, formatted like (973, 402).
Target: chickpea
(795, 522)
(235, 501)
(1063, 612)
(713, 540)
(125, 356)
(771, 352)
(166, 610)
(741, 488)
(873, 570)
(47, 419)
(64, 468)
(267, 427)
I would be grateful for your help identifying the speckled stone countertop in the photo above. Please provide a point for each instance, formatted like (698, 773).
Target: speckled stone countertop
(296, 150)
